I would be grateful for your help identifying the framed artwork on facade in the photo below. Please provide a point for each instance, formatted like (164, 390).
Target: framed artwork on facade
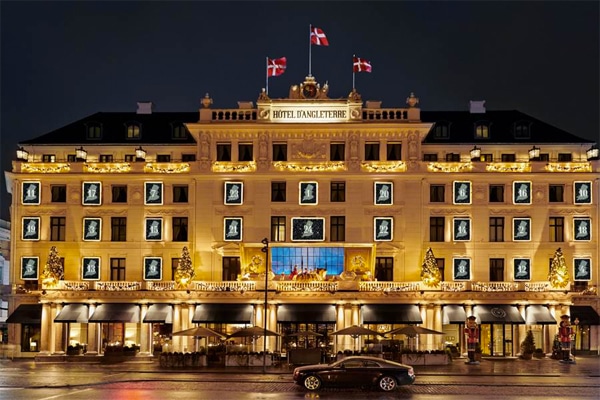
(462, 229)
(309, 192)
(92, 229)
(461, 192)
(582, 229)
(522, 269)
(461, 269)
(521, 229)
(582, 269)
(90, 268)
(31, 228)
(91, 193)
(30, 193)
(153, 193)
(232, 229)
(582, 192)
(154, 228)
(30, 268)
(234, 193)
(308, 229)
(521, 192)
(152, 268)
(384, 229)
(383, 193)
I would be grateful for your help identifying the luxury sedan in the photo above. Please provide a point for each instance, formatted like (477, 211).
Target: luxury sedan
(355, 371)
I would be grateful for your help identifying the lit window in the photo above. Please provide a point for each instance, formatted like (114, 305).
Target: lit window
(133, 131)
(441, 130)
(178, 131)
(94, 131)
(482, 131)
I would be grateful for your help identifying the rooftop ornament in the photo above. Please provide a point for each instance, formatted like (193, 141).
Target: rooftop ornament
(411, 100)
(207, 101)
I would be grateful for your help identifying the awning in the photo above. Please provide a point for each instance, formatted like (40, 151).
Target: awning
(586, 315)
(306, 313)
(391, 314)
(498, 314)
(73, 313)
(159, 313)
(223, 313)
(116, 312)
(453, 314)
(539, 315)
(26, 314)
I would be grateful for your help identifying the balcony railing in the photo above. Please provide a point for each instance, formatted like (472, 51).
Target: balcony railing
(118, 286)
(293, 286)
(225, 286)
(389, 286)
(495, 286)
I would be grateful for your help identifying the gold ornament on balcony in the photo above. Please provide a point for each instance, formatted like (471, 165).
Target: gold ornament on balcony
(184, 273)
(559, 272)
(53, 270)
(430, 273)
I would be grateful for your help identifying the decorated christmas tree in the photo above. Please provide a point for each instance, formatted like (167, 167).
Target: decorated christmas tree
(185, 270)
(430, 273)
(53, 270)
(559, 272)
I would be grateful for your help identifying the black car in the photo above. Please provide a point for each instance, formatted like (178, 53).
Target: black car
(355, 371)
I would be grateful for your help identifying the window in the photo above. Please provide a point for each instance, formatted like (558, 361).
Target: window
(544, 157)
(245, 152)
(188, 157)
(180, 193)
(557, 229)
(119, 193)
(284, 259)
(565, 157)
(94, 131)
(441, 263)
(118, 229)
(59, 193)
(430, 157)
(436, 229)
(556, 193)
(48, 158)
(337, 152)
(277, 191)
(522, 130)
(453, 157)
(371, 151)
(338, 229)
(223, 151)
(71, 158)
(394, 151)
(508, 158)
(487, 157)
(105, 158)
(130, 157)
(496, 193)
(180, 229)
(338, 192)
(231, 268)
(496, 229)
(441, 130)
(117, 269)
(178, 131)
(163, 158)
(279, 152)
(133, 131)
(437, 193)
(57, 229)
(174, 264)
(496, 269)
(384, 269)
(482, 131)
(278, 229)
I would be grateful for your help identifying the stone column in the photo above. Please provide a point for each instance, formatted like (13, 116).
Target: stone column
(437, 325)
(339, 324)
(60, 344)
(145, 334)
(93, 337)
(272, 325)
(46, 336)
(520, 332)
(176, 341)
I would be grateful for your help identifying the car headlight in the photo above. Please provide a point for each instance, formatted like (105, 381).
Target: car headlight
(411, 372)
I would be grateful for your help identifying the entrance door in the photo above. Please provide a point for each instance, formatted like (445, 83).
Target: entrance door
(496, 340)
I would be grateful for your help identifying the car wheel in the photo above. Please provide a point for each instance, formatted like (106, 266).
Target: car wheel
(387, 383)
(312, 382)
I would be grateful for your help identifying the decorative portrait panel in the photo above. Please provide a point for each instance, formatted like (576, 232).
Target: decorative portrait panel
(234, 193)
(30, 193)
(153, 193)
(582, 229)
(461, 192)
(152, 268)
(308, 193)
(90, 268)
(521, 192)
(582, 192)
(92, 229)
(384, 229)
(384, 193)
(154, 228)
(462, 229)
(308, 229)
(521, 229)
(522, 269)
(582, 269)
(91, 193)
(31, 228)
(30, 268)
(461, 269)
(232, 229)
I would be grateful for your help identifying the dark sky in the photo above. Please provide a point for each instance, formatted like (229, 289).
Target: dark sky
(62, 61)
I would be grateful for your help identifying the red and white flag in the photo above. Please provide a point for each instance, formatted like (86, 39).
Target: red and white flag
(276, 66)
(317, 37)
(361, 65)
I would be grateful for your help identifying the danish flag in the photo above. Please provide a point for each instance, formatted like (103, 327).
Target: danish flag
(317, 37)
(276, 66)
(361, 65)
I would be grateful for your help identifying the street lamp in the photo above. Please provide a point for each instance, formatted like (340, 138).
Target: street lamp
(534, 153)
(475, 153)
(140, 154)
(593, 153)
(265, 250)
(22, 154)
(81, 154)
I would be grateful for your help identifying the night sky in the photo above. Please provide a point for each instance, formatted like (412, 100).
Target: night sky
(62, 61)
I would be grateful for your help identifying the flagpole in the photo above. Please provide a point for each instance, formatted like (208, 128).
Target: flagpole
(267, 74)
(309, 51)
(353, 73)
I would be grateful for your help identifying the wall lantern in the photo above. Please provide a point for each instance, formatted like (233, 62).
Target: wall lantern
(81, 154)
(534, 153)
(593, 153)
(22, 154)
(140, 154)
(475, 153)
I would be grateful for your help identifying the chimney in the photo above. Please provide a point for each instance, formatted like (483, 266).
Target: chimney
(145, 107)
(477, 107)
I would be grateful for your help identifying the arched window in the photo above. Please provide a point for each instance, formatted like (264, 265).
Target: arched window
(133, 130)
(482, 130)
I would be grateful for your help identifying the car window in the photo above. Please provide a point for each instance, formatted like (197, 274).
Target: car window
(371, 364)
(353, 364)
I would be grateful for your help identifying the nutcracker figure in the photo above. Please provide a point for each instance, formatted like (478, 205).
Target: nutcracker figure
(472, 336)
(565, 333)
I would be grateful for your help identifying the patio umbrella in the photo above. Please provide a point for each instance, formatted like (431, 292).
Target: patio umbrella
(304, 334)
(413, 330)
(199, 331)
(253, 331)
(356, 331)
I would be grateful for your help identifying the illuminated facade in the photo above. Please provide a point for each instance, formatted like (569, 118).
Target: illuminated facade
(349, 196)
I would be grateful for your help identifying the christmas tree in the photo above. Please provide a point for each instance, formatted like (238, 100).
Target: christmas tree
(185, 270)
(430, 273)
(559, 273)
(53, 270)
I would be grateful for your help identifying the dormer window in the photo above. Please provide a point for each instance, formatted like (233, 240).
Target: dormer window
(482, 130)
(178, 131)
(93, 131)
(441, 130)
(522, 130)
(133, 130)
